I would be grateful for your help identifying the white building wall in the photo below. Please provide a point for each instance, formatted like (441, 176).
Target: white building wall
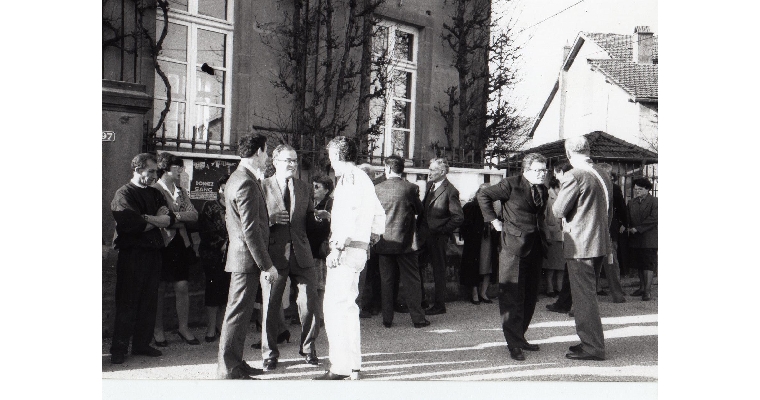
(548, 130)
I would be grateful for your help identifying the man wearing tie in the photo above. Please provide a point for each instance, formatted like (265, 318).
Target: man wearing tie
(247, 256)
(523, 245)
(290, 205)
(442, 214)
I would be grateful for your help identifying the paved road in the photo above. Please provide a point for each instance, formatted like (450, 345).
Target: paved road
(464, 344)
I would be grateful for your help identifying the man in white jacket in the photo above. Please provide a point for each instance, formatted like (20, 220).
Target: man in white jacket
(352, 228)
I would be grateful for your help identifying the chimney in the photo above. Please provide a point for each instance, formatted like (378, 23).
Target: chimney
(565, 51)
(643, 45)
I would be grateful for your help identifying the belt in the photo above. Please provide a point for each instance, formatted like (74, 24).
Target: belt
(355, 244)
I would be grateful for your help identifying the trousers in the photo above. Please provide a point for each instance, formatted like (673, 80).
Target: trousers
(519, 281)
(403, 268)
(588, 323)
(237, 318)
(342, 313)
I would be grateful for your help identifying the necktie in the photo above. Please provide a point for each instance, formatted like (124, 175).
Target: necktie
(536, 196)
(286, 198)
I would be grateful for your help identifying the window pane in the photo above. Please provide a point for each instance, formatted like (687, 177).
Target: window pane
(400, 143)
(175, 43)
(380, 41)
(401, 110)
(177, 74)
(402, 84)
(213, 8)
(210, 87)
(178, 5)
(209, 121)
(211, 48)
(175, 117)
(404, 46)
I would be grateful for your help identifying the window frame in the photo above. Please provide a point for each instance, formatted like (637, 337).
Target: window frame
(404, 65)
(193, 22)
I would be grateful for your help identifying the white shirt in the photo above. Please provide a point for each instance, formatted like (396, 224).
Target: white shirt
(355, 207)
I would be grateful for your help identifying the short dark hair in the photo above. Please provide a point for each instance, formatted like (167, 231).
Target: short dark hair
(553, 182)
(563, 166)
(396, 163)
(347, 149)
(165, 162)
(249, 145)
(643, 183)
(324, 181)
(141, 160)
(530, 159)
(221, 181)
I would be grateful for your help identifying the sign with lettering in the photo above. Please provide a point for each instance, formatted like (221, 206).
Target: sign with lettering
(206, 173)
(109, 136)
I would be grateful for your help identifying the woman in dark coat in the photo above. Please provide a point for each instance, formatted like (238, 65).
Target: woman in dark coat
(213, 253)
(319, 232)
(642, 235)
(480, 257)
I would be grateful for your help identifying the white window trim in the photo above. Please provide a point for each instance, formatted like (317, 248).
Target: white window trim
(400, 65)
(194, 21)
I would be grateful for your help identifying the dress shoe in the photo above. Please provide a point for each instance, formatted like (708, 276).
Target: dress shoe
(553, 307)
(601, 293)
(210, 339)
(193, 341)
(582, 355)
(646, 297)
(530, 347)
(117, 358)
(284, 336)
(435, 310)
(161, 344)
(365, 314)
(516, 353)
(638, 292)
(270, 364)
(570, 313)
(576, 348)
(623, 300)
(311, 358)
(422, 324)
(387, 324)
(551, 294)
(329, 376)
(401, 308)
(484, 300)
(249, 370)
(147, 351)
(476, 302)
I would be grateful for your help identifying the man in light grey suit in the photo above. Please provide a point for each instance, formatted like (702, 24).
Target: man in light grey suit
(290, 205)
(247, 256)
(585, 201)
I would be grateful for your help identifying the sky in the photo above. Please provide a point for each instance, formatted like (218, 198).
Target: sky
(543, 42)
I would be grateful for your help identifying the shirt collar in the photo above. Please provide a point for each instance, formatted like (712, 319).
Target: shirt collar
(175, 193)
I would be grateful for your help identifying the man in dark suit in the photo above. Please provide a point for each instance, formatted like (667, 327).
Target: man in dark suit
(247, 256)
(401, 202)
(291, 208)
(611, 264)
(523, 245)
(585, 201)
(442, 214)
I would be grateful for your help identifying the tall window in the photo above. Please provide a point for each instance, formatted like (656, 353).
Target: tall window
(196, 57)
(394, 78)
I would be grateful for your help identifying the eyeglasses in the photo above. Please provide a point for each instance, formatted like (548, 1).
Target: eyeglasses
(178, 167)
(539, 171)
(288, 160)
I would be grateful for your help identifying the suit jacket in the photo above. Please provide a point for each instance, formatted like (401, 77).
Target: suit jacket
(283, 237)
(643, 216)
(587, 212)
(619, 212)
(247, 223)
(524, 222)
(442, 211)
(401, 202)
(553, 224)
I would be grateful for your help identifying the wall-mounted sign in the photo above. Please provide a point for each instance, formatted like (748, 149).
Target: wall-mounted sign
(109, 136)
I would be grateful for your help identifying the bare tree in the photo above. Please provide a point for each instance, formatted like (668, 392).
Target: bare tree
(485, 57)
(318, 46)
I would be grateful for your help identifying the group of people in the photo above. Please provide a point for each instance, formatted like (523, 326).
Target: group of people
(262, 231)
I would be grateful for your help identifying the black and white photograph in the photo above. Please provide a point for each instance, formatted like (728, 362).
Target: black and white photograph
(380, 190)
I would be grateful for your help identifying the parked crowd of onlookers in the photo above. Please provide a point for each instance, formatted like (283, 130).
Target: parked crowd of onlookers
(274, 239)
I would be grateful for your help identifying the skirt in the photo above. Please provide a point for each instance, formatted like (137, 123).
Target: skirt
(644, 259)
(175, 267)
